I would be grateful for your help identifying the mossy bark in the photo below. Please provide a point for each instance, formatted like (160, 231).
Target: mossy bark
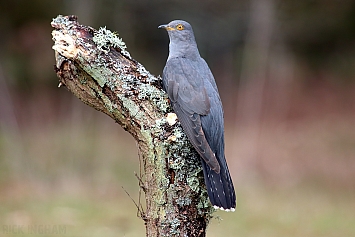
(96, 68)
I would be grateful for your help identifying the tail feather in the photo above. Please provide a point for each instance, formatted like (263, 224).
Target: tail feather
(219, 188)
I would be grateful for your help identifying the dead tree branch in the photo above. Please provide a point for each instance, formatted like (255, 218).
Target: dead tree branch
(96, 67)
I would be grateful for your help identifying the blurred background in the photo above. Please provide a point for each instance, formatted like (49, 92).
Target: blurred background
(286, 75)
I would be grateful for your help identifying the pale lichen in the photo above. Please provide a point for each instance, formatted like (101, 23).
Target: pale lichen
(158, 97)
(183, 201)
(175, 224)
(61, 21)
(105, 39)
(204, 205)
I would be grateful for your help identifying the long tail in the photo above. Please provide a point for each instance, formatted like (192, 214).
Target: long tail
(219, 187)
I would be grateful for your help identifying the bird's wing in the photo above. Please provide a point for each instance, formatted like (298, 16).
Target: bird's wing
(185, 86)
(189, 98)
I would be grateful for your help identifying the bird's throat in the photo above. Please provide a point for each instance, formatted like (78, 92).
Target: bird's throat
(183, 50)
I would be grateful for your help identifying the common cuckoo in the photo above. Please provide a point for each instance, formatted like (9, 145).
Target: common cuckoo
(195, 99)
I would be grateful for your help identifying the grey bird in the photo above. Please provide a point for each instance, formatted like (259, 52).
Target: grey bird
(194, 96)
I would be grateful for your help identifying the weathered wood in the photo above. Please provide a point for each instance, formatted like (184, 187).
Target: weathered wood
(96, 68)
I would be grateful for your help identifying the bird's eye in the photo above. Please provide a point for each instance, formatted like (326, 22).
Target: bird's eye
(179, 27)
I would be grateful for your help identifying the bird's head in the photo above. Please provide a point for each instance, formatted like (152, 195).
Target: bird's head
(179, 31)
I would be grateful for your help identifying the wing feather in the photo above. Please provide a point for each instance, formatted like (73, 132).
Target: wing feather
(187, 92)
(186, 86)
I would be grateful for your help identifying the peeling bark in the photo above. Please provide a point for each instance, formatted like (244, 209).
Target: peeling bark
(95, 66)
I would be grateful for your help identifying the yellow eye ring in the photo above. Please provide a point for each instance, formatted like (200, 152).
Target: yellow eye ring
(180, 27)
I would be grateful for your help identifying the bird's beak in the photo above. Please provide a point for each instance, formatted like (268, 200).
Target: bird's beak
(166, 27)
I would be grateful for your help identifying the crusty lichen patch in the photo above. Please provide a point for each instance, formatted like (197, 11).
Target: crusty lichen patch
(105, 39)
